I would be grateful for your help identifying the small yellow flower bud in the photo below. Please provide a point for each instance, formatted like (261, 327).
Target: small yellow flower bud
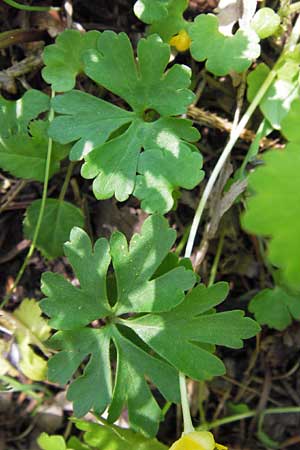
(181, 41)
(197, 440)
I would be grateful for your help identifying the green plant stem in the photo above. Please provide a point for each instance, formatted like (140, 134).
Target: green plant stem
(248, 415)
(66, 181)
(226, 152)
(40, 217)
(182, 242)
(187, 420)
(27, 7)
(166, 408)
(214, 268)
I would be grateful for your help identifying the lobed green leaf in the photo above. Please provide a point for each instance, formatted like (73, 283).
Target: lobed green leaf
(140, 288)
(223, 54)
(64, 59)
(23, 140)
(58, 220)
(274, 209)
(114, 142)
(275, 308)
(181, 335)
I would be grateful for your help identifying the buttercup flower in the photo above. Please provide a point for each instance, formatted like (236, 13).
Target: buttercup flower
(197, 440)
(181, 41)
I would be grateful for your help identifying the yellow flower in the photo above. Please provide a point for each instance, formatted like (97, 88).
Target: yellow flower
(181, 41)
(197, 440)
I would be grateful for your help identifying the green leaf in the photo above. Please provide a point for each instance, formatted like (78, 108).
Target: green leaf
(223, 54)
(172, 22)
(290, 124)
(64, 59)
(112, 437)
(47, 442)
(277, 101)
(114, 142)
(180, 336)
(75, 444)
(139, 290)
(24, 155)
(58, 220)
(265, 22)
(150, 11)
(237, 408)
(274, 209)
(144, 86)
(89, 119)
(159, 174)
(30, 329)
(16, 115)
(23, 140)
(275, 308)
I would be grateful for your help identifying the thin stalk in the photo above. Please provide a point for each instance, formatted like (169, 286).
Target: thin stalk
(66, 181)
(183, 241)
(226, 152)
(29, 8)
(40, 216)
(187, 420)
(166, 408)
(214, 268)
(248, 415)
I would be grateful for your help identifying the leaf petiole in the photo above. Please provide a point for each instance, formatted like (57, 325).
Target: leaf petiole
(187, 420)
(29, 8)
(66, 181)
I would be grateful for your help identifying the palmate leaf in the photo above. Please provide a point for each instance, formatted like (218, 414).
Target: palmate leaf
(275, 308)
(58, 220)
(24, 142)
(163, 334)
(63, 60)
(181, 335)
(277, 183)
(223, 54)
(115, 142)
(138, 290)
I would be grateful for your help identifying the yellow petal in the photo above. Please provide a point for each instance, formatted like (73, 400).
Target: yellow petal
(197, 440)
(181, 41)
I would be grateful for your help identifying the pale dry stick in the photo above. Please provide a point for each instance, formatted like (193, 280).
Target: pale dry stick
(12, 195)
(212, 120)
(218, 198)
